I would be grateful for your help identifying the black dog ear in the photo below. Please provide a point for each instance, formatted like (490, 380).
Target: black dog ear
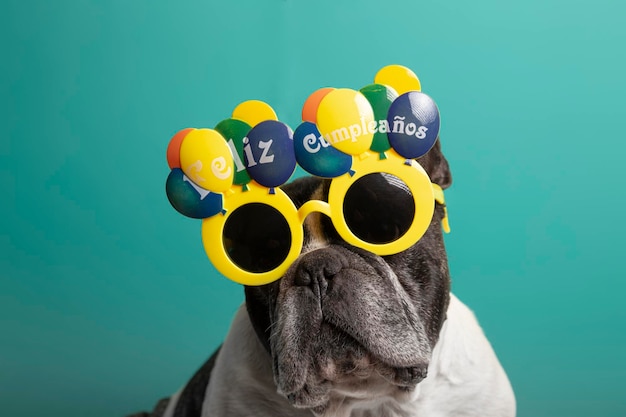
(436, 166)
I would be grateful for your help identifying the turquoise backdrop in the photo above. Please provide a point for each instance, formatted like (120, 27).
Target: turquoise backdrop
(107, 301)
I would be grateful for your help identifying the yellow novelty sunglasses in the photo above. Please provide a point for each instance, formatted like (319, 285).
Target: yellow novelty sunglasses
(379, 198)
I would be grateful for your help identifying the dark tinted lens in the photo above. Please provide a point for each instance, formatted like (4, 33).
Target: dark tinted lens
(257, 237)
(379, 208)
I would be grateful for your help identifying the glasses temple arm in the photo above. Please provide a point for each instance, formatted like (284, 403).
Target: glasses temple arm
(439, 198)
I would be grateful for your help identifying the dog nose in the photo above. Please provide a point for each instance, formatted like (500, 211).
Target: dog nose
(317, 268)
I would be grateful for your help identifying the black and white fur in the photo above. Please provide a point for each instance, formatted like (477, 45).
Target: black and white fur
(345, 333)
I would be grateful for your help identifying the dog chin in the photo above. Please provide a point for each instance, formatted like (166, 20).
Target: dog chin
(357, 382)
(374, 394)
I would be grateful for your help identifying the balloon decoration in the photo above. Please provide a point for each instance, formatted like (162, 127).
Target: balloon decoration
(173, 149)
(269, 153)
(380, 98)
(234, 131)
(254, 112)
(316, 156)
(206, 159)
(189, 199)
(346, 120)
(414, 121)
(339, 125)
(309, 110)
(399, 78)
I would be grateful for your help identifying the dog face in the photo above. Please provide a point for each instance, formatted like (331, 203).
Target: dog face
(344, 324)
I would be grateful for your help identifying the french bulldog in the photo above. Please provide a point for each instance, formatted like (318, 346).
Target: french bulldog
(346, 333)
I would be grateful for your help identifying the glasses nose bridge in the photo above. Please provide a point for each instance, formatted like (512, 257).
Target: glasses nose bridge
(313, 206)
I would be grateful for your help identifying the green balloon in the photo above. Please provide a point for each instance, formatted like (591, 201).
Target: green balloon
(234, 131)
(380, 98)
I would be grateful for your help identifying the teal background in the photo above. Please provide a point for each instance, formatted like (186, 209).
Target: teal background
(107, 301)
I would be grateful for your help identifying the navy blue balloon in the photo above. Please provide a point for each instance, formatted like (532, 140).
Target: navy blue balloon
(316, 156)
(268, 153)
(413, 123)
(190, 199)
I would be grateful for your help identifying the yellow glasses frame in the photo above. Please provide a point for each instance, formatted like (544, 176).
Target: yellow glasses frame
(410, 172)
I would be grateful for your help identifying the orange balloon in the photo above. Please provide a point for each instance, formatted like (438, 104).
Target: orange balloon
(309, 110)
(173, 148)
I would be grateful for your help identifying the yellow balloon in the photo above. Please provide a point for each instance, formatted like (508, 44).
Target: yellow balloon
(207, 160)
(346, 120)
(399, 78)
(254, 112)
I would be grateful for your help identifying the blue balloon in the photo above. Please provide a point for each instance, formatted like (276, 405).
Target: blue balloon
(189, 199)
(413, 124)
(268, 153)
(316, 156)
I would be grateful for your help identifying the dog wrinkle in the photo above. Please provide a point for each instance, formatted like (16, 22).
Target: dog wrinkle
(292, 366)
(299, 318)
(377, 323)
(338, 358)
